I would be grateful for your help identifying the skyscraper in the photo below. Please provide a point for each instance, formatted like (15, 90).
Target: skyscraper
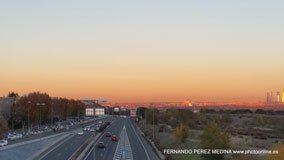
(278, 97)
(271, 97)
(282, 97)
(268, 97)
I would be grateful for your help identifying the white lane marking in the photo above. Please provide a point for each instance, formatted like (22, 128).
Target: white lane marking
(101, 136)
(140, 140)
(123, 149)
(71, 132)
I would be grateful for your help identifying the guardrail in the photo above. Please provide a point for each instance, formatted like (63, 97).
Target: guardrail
(77, 153)
(87, 149)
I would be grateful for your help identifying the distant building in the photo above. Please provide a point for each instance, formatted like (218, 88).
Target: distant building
(278, 99)
(99, 111)
(268, 98)
(89, 101)
(116, 110)
(95, 111)
(133, 113)
(89, 111)
(271, 98)
(282, 97)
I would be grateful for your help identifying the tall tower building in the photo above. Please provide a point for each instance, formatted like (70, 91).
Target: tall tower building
(282, 97)
(271, 97)
(278, 97)
(268, 97)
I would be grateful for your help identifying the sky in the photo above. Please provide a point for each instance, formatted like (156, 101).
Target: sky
(143, 51)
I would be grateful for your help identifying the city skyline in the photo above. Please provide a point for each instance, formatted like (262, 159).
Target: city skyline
(143, 51)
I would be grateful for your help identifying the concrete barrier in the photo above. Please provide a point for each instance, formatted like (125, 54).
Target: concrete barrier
(87, 149)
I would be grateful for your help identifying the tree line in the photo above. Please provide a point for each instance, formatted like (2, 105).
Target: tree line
(36, 107)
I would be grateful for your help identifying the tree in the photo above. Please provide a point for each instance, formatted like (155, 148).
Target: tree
(3, 126)
(181, 132)
(152, 116)
(13, 94)
(280, 148)
(27, 109)
(140, 112)
(213, 138)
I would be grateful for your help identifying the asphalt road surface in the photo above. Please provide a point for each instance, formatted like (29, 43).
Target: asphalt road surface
(140, 148)
(65, 149)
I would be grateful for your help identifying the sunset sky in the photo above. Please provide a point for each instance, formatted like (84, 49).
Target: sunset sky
(149, 50)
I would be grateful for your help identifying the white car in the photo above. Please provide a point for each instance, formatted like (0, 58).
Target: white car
(80, 133)
(19, 135)
(12, 137)
(3, 143)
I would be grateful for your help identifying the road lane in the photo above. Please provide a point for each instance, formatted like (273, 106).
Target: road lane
(141, 149)
(65, 150)
(123, 149)
(107, 153)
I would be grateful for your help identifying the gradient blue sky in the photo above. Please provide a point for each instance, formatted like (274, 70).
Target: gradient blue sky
(156, 50)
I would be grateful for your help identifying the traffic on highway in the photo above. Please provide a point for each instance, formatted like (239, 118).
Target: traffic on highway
(101, 138)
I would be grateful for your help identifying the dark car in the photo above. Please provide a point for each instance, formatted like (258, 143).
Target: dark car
(114, 138)
(101, 145)
(108, 134)
(107, 123)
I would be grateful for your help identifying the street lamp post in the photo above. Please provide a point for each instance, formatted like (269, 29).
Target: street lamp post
(29, 105)
(13, 113)
(153, 124)
(51, 110)
(40, 105)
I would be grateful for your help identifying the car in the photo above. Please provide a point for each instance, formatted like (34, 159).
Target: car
(3, 143)
(92, 129)
(80, 133)
(86, 128)
(108, 134)
(107, 123)
(19, 136)
(100, 122)
(12, 137)
(114, 138)
(101, 145)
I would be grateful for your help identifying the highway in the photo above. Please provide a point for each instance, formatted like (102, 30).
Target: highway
(131, 145)
(65, 149)
(139, 147)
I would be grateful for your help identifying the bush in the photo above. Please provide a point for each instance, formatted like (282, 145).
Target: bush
(213, 138)
(181, 132)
